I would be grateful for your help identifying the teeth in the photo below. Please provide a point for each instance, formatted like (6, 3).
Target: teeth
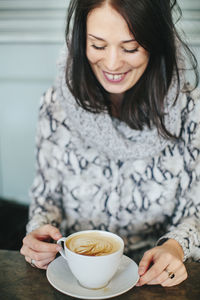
(114, 77)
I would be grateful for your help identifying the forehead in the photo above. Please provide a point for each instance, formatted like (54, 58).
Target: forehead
(105, 21)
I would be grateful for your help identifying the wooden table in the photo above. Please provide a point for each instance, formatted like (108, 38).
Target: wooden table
(19, 281)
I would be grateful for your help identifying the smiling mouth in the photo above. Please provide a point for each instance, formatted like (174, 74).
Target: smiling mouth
(116, 78)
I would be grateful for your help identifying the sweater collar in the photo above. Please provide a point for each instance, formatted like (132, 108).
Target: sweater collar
(108, 135)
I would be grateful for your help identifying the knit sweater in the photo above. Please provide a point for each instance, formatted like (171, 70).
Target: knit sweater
(95, 172)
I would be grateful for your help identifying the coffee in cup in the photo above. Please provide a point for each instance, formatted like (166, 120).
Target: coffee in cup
(93, 256)
(93, 244)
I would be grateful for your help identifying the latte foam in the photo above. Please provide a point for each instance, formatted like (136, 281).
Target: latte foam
(93, 244)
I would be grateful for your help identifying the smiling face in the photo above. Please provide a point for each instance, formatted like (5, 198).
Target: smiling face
(116, 58)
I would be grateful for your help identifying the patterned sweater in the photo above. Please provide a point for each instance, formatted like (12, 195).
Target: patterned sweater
(95, 172)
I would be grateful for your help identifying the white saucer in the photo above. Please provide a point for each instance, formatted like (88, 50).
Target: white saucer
(61, 278)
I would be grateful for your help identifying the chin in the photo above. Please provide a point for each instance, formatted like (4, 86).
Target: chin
(112, 89)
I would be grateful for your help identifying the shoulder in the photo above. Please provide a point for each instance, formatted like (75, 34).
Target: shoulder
(190, 118)
(51, 106)
(48, 99)
(190, 105)
(52, 118)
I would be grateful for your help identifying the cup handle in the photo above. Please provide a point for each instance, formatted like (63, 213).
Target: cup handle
(62, 251)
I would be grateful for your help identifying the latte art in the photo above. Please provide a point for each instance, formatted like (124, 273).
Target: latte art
(93, 244)
(92, 247)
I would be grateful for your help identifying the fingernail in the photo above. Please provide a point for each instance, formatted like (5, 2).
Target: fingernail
(58, 248)
(141, 270)
(137, 284)
(58, 235)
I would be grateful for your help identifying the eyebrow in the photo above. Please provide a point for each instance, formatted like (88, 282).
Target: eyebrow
(100, 39)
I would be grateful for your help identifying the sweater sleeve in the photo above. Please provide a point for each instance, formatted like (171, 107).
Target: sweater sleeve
(185, 223)
(46, 191)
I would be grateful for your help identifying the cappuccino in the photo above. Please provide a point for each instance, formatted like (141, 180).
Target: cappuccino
(97, 251)
(93, 244)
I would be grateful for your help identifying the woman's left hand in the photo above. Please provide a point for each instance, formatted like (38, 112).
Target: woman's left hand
(167, 267)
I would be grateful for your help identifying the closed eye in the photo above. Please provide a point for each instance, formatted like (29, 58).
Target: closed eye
(98, 48)
(131, 51)
(125, 50)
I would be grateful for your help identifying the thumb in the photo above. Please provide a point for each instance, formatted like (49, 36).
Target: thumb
(145, 262)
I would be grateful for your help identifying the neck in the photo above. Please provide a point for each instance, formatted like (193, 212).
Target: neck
(116, 101)
(116, 98)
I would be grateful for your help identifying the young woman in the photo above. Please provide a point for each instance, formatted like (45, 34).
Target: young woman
(118, 144)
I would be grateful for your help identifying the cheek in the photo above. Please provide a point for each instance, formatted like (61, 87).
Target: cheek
(141, 59)
(92, 56)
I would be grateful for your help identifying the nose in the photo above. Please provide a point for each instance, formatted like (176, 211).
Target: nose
(112, 60)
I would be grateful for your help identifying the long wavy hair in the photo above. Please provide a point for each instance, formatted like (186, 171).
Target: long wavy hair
(152, 24)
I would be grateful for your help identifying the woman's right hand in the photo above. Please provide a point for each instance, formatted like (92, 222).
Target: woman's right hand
(37, 246)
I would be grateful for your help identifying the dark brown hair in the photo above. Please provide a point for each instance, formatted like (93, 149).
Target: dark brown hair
(153, 27)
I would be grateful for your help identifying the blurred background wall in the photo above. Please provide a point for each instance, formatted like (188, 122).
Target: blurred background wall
(31, 35)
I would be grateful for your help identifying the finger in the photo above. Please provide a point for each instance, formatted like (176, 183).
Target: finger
(174, 281)
(152, 273)
(49, 231)
(38, 256)
(39, 246)
(180, 275)
(43, 264)
(45, 267)
(159, 279)
(164, 275)
(145, 262)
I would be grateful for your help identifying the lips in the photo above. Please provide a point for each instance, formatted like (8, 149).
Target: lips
(114, 78)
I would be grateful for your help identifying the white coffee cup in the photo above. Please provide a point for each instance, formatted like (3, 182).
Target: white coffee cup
(93, 272)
